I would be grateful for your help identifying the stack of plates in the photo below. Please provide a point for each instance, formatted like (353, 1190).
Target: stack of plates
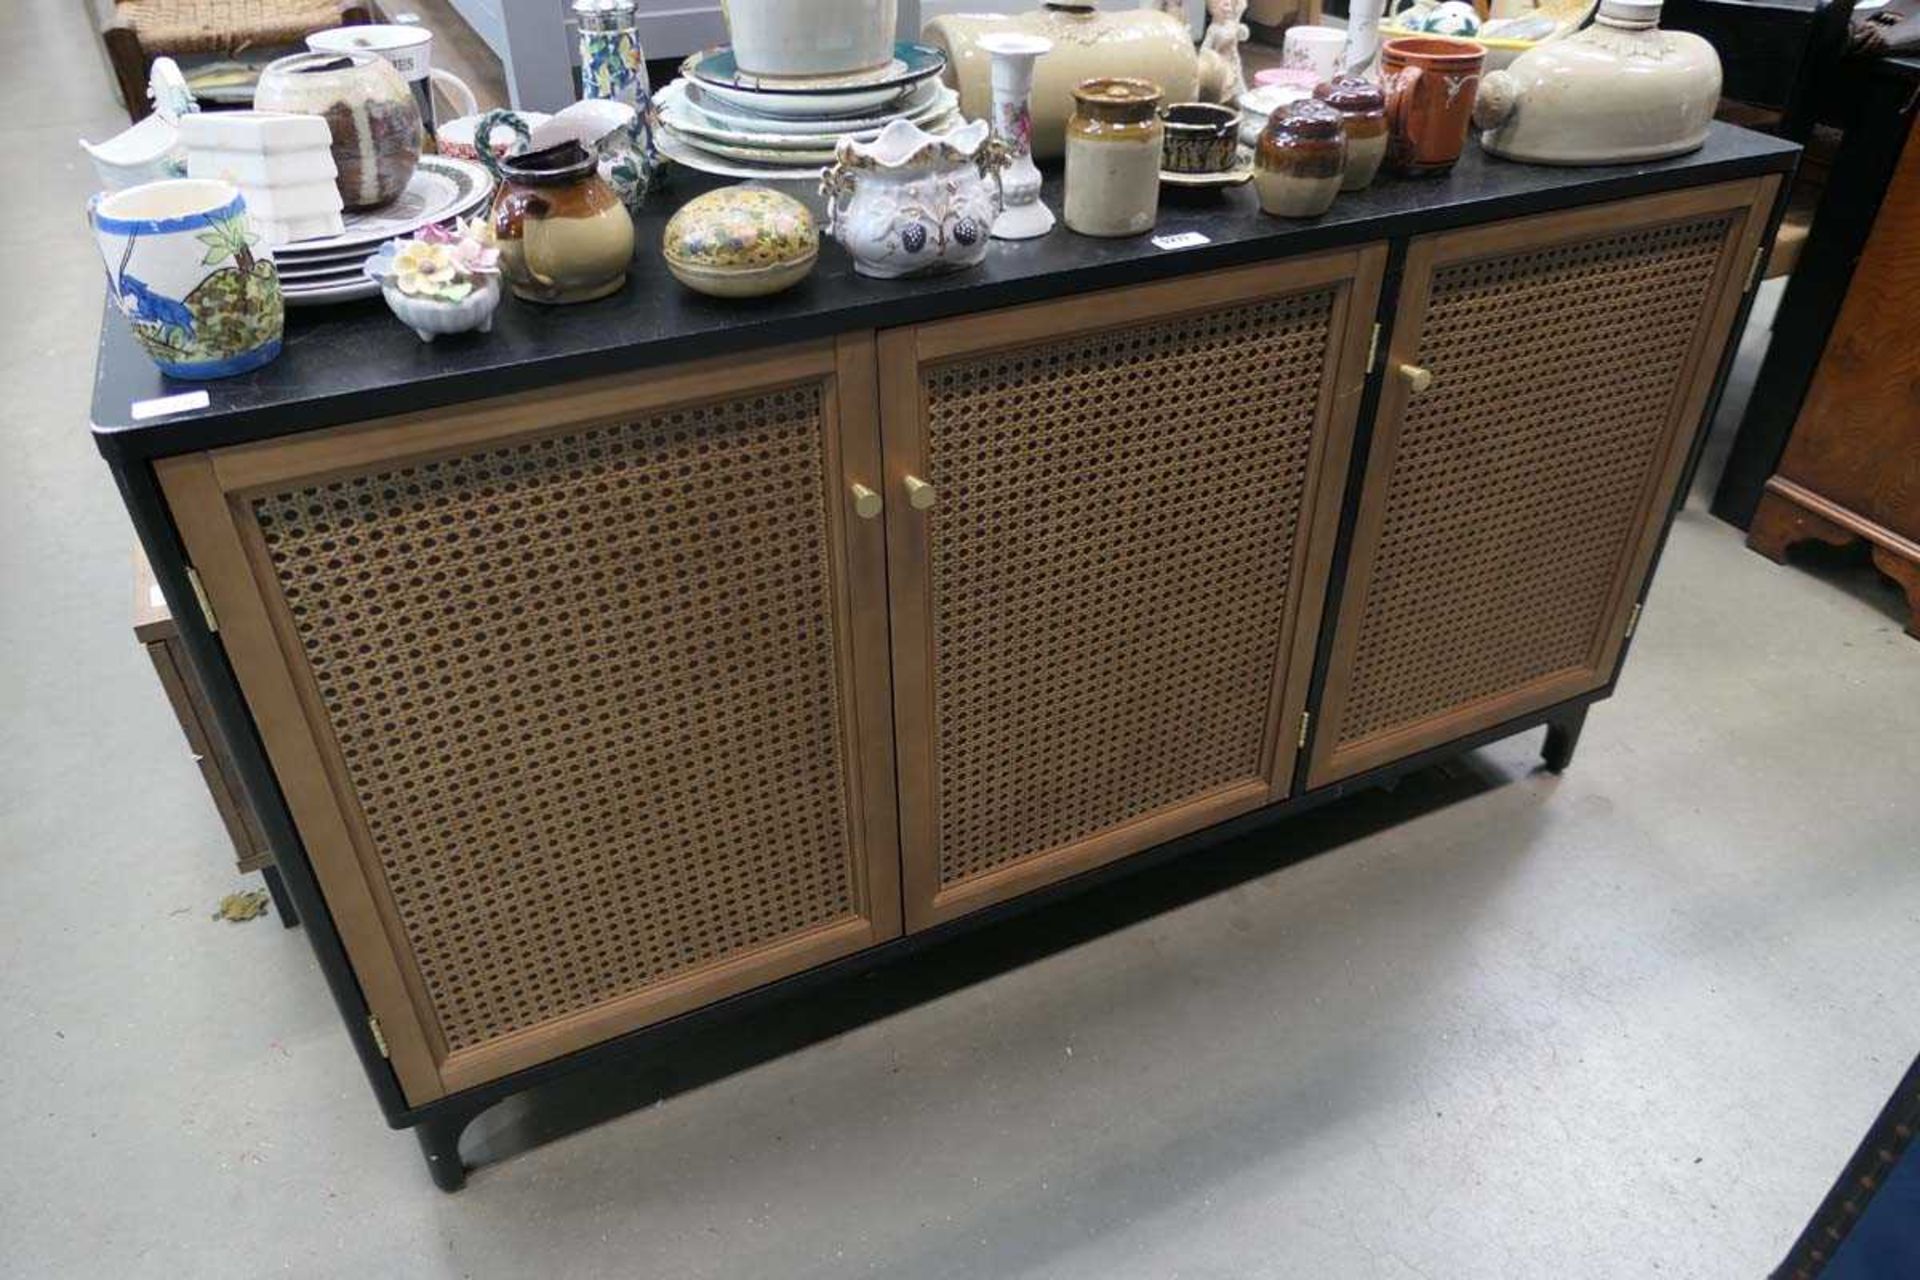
(314, 272)
(720, 120)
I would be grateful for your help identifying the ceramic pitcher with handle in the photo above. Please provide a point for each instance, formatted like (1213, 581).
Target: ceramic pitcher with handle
(912, 203)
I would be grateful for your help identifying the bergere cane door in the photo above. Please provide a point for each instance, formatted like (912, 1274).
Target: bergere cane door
(578, 699)
(1545, 379)
(1109, 525)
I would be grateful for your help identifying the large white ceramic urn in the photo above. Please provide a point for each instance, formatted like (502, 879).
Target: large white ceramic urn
(808, 39)
(1619, 91)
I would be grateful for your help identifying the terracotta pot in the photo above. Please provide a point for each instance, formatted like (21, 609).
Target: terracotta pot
(564, 235)
(369, 108)
(1431, 82)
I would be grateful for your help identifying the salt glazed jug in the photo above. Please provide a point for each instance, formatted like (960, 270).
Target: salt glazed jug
(912, 203)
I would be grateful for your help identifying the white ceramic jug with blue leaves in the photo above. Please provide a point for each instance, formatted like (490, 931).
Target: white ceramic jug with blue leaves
(182, 269)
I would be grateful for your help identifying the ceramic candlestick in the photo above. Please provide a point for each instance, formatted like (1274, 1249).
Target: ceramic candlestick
(1026, 216)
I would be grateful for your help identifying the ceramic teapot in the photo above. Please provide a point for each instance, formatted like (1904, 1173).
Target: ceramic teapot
(564, 235)
(912, 203)
(1621, 90)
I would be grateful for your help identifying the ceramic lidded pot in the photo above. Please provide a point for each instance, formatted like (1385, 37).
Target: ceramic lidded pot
(741, 242)
(1430, 82)
(1141, 44)
(1620, 90)
(1364, 108)
(1201, 137)
(371, 112)
(1301, 160)
(912, 203)
(181, 268)
(564, 236)
(1115, 145)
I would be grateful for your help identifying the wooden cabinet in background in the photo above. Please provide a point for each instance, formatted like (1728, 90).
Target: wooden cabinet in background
(1851, 471)
(578, 699)
(1544, 381)
(1104, 614)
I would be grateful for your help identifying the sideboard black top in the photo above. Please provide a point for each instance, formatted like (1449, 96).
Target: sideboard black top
(354, 363)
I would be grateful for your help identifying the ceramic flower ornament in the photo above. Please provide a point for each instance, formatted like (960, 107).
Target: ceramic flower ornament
(441, 280)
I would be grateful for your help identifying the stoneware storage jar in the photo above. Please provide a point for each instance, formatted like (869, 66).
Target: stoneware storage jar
(1364, 109)
(181, 268)
(1620, 90)
(1115, 144)
(1301, 160)
(1201, 137)
(1430, 82)
(810, 38)
(564, 235)
(912, 203)
(1139, 44)
(369, 109)
(741, 242)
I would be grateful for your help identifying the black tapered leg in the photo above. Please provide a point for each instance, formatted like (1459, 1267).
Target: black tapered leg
(282, 903)
(440, 1143)
(1563, 735)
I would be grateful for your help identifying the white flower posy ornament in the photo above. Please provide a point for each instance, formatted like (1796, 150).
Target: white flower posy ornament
(441, 281)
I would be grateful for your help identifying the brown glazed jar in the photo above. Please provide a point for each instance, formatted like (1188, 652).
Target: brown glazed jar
(564, 235)
(1301, 159)
(1114, 143)
(1364, 107)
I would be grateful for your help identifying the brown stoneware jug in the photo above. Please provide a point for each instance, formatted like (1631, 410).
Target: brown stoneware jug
(564, 235)
(1431, 82)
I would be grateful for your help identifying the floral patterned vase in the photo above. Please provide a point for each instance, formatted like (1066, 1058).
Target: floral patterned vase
(912, 203)
(181, 268)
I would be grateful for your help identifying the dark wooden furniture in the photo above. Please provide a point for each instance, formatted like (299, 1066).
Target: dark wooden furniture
(154, 628)
(648, 662)
(141, 30)
(1851, 471)
(1879, 118)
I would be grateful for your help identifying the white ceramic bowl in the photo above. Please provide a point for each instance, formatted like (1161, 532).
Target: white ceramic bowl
(811, 37)
(432, 318)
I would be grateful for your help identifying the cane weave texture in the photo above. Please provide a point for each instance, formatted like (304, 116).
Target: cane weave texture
(585, 689)
(223, 26)
(1517, 494)
(1111, 562)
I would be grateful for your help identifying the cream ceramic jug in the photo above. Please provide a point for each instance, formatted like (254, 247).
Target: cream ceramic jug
(1141, 44)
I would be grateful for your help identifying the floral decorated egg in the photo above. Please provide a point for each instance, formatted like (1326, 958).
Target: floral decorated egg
(1454, 18)
(741, 242)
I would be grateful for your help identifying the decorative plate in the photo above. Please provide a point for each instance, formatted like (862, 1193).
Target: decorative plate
(700, 118)
(764, 99)
(790, 155)
(682, 151)
(911, 64)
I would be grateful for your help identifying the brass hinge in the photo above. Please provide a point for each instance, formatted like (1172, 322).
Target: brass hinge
(200, 594)
(379, 1036)
(1633, 623)
(1759, 261)
(1373, 348)
(1306, 722)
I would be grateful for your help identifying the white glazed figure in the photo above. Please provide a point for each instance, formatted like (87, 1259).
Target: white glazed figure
(1025, 216)
(1222, 77)
(912, 203)
(1362, 56)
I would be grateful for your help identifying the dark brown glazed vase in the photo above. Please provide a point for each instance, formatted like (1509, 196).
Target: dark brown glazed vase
(372, 114)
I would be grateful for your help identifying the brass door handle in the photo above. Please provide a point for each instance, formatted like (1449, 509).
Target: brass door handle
(920, 494)
(866, 503)
(1417, 378)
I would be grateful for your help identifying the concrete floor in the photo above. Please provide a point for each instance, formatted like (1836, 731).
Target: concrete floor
(1624, 1022)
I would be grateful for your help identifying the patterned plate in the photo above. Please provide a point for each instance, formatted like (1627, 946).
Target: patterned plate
(441, 188)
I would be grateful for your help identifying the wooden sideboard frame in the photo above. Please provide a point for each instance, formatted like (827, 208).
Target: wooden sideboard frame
(207, 494)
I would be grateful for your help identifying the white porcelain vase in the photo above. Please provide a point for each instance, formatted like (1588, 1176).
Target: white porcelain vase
(797, 38)
(912, 203)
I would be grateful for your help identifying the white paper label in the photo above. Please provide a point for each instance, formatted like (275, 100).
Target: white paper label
(1181, 240)
(161, 406)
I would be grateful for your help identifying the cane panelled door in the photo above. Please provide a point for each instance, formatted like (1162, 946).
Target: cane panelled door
(578, 699)
(1545, 378)
(1110, 521)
